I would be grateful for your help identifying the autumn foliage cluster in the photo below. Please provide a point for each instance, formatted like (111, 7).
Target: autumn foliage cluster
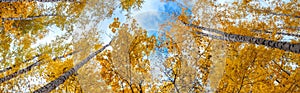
(245, 46)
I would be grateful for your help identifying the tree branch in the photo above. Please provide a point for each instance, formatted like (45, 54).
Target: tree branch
(288, 73)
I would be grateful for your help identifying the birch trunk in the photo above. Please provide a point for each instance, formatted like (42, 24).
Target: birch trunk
(29, 68)
(286, 46)
(61, 79)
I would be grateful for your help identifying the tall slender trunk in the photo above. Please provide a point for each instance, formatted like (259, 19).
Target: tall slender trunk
(62, 78)
(174, 82)
(29, 68)
(204, 28)
(286, 46)
(29, 17)
(140, 86)
(9, 68)
(281, 14)
(278, 33)
(276, 14)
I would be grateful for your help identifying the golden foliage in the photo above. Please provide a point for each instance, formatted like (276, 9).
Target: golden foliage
(114, 25)
(131, 4)
(193, 63)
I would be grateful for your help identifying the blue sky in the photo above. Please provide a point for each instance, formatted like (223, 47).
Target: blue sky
(150, 16)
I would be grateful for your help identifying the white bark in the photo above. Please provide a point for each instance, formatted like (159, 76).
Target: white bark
(61, 79)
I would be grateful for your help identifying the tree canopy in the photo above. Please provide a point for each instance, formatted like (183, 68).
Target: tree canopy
(97, 46)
